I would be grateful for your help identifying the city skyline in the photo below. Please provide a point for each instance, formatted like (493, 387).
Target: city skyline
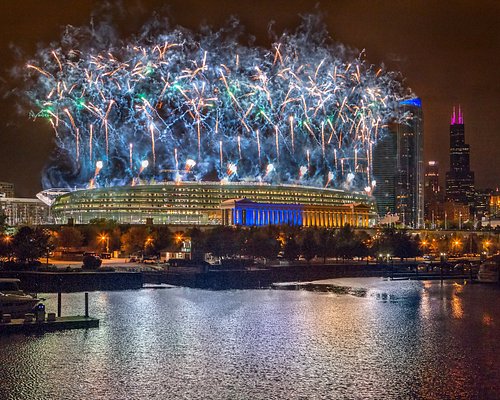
(22, 136)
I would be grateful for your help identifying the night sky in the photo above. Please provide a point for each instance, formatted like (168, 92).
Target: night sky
(448, 51)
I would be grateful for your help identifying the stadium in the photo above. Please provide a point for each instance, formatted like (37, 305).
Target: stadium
(216, 203)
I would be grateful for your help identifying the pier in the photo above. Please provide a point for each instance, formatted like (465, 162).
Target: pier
(40, 322)
(19, 325)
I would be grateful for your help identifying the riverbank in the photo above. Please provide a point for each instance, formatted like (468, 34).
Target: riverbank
(214, 279)
(63, 281)
(83, 281)
(261, 277)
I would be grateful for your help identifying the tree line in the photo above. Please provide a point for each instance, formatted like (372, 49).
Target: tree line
(270, 242)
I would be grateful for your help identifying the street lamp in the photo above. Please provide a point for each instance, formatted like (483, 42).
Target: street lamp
(456, 244)
(178, 238)
(486, 245)
(103, 239)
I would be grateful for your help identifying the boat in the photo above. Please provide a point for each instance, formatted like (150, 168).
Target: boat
(489, 270)
(13, 300)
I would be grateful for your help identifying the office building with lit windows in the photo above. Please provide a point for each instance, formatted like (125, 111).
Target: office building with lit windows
(433, 194)
(398, 167)
(22, 211)
(6, 189)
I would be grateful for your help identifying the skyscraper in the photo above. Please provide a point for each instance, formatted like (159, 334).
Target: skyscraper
(431, 181)
(459, 179)
(432, 192)
(398, 167)
(384, 171)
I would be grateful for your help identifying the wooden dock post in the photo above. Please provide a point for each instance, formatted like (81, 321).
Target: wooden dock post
(59, 304)
(86, 305)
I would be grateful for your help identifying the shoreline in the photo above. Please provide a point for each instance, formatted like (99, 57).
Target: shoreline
(222, 279)
(63, 281)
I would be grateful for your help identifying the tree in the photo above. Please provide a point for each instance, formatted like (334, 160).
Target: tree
(290, 242)
(263, 242)
(347, 245)
(397, 243)
(134, 240)
(3, 221)
(291, 250)
(29, 244)
(198, 243)
(91, 262)
(5, 246)
(224, 241)
(103, 224)
(115, 239)
(326, 243)
(69, 236)
(162, 239)
(309, 245)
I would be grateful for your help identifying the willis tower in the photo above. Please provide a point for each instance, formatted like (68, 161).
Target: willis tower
(459, 179)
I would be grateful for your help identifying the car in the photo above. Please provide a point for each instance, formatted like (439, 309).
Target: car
(428, 257)
(423, 267)
(149, 261)
(133, 259)
(462, 266)
(106, 256)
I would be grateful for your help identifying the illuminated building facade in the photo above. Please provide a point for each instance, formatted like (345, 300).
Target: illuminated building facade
(455, 214)
(384, 171)
(494, 210)
(482, 200)
(398, 167)
(6, 189)
(249, 213)
(20, 211)
(431, 183)
(459, 179)
(432, 193)
(200, 203)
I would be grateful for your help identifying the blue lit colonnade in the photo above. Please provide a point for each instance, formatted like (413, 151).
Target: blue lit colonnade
(248, 213)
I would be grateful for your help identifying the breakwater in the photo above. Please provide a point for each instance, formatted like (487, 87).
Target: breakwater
(51, 282)
(215, 279)
(258, 278)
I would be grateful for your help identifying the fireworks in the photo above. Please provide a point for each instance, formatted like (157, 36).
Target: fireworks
(218, 108)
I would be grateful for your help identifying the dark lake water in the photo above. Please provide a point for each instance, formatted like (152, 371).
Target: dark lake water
(404, 340)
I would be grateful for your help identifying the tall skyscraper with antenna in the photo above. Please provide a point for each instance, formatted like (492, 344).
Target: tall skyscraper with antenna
(459, 179)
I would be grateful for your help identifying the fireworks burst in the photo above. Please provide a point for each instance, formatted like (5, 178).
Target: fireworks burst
(223, 110)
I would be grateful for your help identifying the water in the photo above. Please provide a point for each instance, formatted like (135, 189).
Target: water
(404, 340)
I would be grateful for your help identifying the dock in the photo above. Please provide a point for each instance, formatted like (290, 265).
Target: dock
(412, 276)
(60, 323)
(39, 322)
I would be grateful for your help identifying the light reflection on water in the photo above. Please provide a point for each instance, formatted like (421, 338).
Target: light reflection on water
(403, 340)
